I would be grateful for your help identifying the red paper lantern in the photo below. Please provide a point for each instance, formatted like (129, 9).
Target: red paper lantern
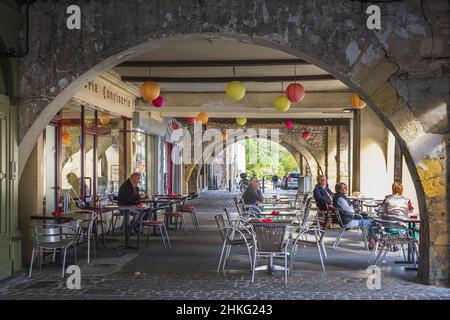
(191, 120)
(306, 135)
(289, 124)
(295, 92)
(158, 102)
(175, 125)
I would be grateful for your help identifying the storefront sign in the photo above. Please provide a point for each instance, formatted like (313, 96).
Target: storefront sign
(108, 96)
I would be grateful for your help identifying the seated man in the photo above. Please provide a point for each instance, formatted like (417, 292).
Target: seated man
(129, 194)
(252, 195)
(322, 194)
(324, 197)
(347, 213)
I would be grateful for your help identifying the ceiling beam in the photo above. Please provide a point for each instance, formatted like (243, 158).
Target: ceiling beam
(260, 114)
(228, 79)
(211, 63)
(276, 122)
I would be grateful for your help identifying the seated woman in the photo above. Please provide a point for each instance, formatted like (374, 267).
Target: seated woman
(347, 213)
(395, 204)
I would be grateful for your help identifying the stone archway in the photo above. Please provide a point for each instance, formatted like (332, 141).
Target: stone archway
(385, 67)
(193, 173)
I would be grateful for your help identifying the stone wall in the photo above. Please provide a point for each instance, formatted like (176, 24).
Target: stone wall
(402, 70)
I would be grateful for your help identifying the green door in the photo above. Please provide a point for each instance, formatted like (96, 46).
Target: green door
(5, 241)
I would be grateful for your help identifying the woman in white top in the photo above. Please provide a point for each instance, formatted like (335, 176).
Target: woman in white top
(396, 204)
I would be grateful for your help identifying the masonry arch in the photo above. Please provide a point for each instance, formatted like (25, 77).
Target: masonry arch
(365, 61)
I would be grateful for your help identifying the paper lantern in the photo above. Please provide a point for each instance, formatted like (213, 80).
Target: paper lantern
(104, 119)
(191, 120)
(158, 102)
(66, 138)
(289, 124)
(175, 125)
(150, 90)
(306, 135)
(282, 103)
(241, 121)
(224, 136)
(203, 117)
(235, 90)
(295, 92)
(357, 102)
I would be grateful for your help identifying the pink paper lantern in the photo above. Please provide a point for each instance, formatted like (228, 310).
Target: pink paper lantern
(191, 120)
(295, 92)
(158, 102)
(289, 124)
(306, 135)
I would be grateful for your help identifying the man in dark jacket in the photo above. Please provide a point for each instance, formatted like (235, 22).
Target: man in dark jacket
(129, 194)
(323, 194)
(253, 196)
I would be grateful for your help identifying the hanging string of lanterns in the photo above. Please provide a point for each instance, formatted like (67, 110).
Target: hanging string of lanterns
(357, 102)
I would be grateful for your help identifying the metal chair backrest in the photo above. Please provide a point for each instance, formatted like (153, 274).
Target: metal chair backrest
(306, 212)
(228, 216)
(221, 226)
(336, 212)
(237, 204)
(269, 236)
(49, 234)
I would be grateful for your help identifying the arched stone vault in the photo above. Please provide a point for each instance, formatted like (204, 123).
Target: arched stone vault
(397, 70)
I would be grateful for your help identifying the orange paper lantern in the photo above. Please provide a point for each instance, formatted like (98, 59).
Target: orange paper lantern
(66, 138)
(203, 117)
(224, 136)
(357, 102)
(150, 90)
(104, 119)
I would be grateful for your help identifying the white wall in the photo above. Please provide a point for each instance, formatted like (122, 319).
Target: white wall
(375, 181)
(377, 160)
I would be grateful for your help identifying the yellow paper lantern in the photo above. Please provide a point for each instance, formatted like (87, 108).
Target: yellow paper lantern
(357, 102)
(150, 90)
(203, 117)
(241, 121)
(66, 138)
(282, 103)
(104, 119)
(235, 90)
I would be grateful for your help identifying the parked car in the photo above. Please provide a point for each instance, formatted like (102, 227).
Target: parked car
(292, 180)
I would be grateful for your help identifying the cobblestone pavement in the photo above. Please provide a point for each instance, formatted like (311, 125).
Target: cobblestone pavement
(188, 271)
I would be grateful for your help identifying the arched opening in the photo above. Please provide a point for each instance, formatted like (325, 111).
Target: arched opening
(149, 47)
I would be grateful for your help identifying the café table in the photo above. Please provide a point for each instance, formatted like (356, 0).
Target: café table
(126, 214)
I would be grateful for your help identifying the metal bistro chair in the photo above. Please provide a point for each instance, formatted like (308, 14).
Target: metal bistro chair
(391, 233)
(53, 237)
(189, 208)
(343, 228)
(88, 229)
(233, 236)
(161, 226)
(270, 243)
